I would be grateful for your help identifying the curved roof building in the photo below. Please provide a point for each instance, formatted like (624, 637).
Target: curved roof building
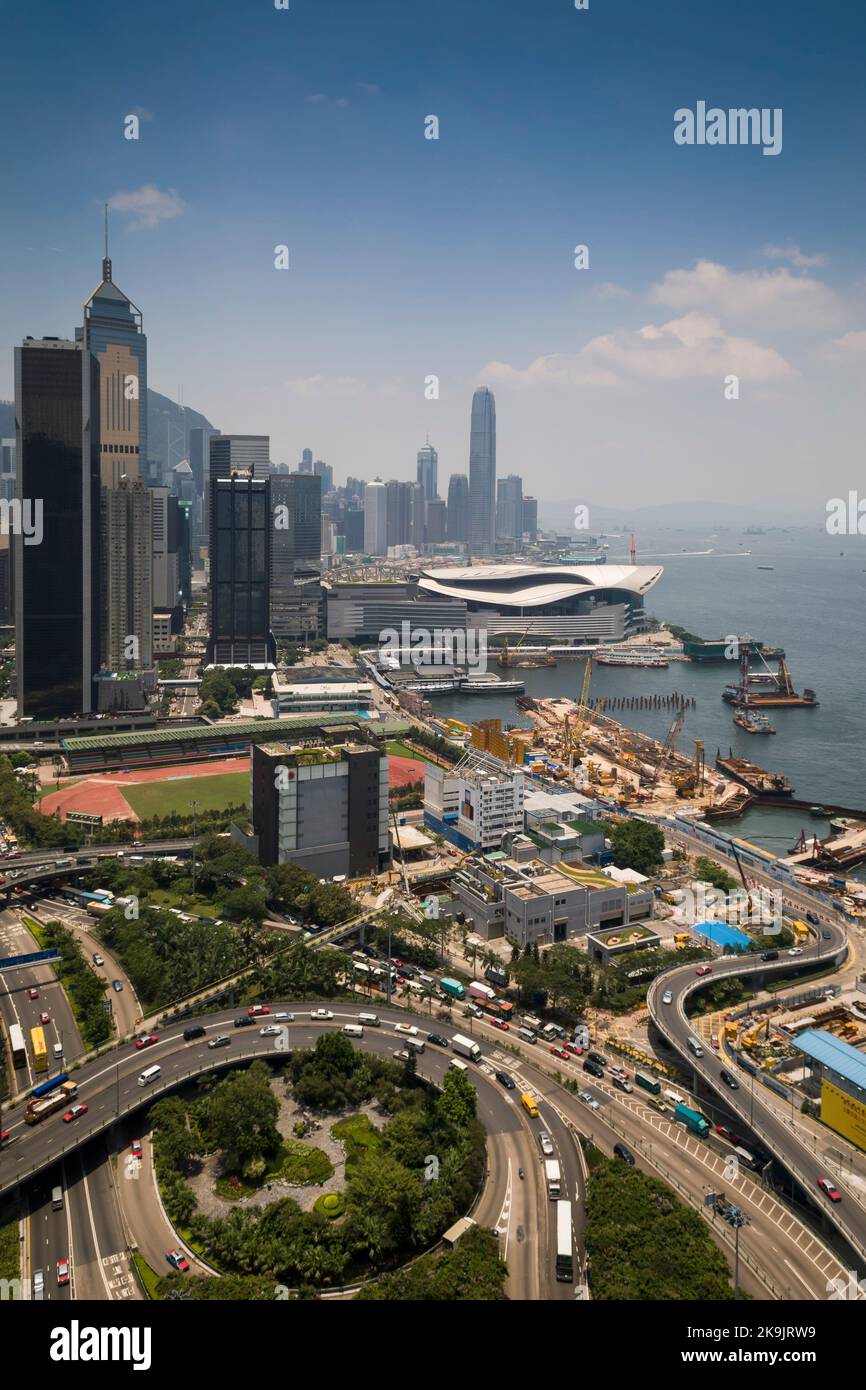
(563, 603)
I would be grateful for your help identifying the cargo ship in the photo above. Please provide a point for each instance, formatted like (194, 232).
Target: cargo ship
(755, 779)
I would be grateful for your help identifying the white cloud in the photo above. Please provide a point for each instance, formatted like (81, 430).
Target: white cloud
(317, 97)
(148, 206)
(368, 88)
(142, 113)
(852, 342)
(792, 253)
(775, 297)
(609, 290)
(694, 346)
(321, 385)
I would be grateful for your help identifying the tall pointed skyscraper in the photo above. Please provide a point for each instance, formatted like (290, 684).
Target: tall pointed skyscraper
(482, 473)
(114, 336)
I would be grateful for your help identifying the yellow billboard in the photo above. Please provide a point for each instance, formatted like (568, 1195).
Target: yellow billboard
(843, 1113)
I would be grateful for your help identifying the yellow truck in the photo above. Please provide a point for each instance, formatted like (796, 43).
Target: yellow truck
(530, 1104)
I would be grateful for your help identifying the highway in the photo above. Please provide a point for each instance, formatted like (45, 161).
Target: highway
(518, 1208)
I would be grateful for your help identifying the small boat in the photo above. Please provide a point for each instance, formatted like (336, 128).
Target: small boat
(817, 811)
(754, 722)
(765, 567)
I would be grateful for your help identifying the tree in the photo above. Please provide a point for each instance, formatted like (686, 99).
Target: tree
(638, 846)
(241, 1115)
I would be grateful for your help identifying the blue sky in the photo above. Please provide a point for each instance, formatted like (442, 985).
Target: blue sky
(411, 257)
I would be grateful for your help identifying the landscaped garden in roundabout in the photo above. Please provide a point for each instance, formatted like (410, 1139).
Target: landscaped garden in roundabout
(332, 1168)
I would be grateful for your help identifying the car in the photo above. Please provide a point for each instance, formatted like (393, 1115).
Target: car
(728, 1133)
(117, 985)
(827, 935)
(573, 1049)
(270, 1030)
(178, 1260)
(505, 1080)
(135, 1148)
(146, 1040)
(98, 959)
(704, 970)
(220, 1041)
(714, 1040)
(73, 1114)
(4, 1137)
(255, 1009)
(667, 997)
(829, 1189)
(33, 993)
(44, 1017)
(730, 1081)
(62, 1272)
(545, 1142)
(137, 844)
(321, 1013)
(498, 1023)
(559, 1052)
(286, 1018)
(810, 917)
(406, 1028)
(619, 1073)
(625, 1154)
(795, 951)
(243, 1021)
(437, 1040)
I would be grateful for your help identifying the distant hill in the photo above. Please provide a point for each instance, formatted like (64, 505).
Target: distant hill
(166, 421)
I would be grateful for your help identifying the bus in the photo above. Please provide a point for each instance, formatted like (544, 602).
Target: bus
(801, 931)
(16, 1042)
(46, 1086)
(40, 1051)
(647, 1083)
(564, 1244)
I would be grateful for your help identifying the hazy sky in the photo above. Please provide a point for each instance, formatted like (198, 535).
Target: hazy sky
(411, 257)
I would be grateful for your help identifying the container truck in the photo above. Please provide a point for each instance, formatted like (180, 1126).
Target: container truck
(465, 1047)
(482, 992)
(55, 1100)
(694, 1123)
(554, 1178)
(453, 988)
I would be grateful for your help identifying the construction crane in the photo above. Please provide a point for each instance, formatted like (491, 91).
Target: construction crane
(668, 749)
(632, 550)
(504, 659)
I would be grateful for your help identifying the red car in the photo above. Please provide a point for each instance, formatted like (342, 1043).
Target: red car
(729, 1134)
(33, 993)
(74, 1113)
(715, 1040)
(704, 970)
(559, 1052)
(829, 1190)
(44, 1017)
(255, 1009)
(178, 1259)
(135, 1148)
(146, 1040)
(63, 1271)
(499, 1023)
(4, 1137)
(574, 1049)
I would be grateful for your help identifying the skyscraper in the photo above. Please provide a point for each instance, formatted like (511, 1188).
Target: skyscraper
(127, 570)
(306, 464)
(428, 465)
(458, 507)
(482, 473)
(296, 547)
(57, 579)
(435, 521)
(240, 553)
(530, 517)
(509, 507)
(325, 472)
(376, 518)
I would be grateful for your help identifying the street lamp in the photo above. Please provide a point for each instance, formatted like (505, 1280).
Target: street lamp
(194, 809)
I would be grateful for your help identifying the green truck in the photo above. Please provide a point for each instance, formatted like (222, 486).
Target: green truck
(453, 988)
(694, 1123)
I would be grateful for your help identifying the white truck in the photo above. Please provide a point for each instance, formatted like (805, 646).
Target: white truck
(465, 1047)
(554, 1178)
(485, 994)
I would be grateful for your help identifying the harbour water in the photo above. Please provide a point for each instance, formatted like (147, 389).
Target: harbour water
(812, 603)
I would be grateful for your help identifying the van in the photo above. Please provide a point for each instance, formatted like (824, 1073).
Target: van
(674, 1097)
(527, 1035)
(417, 1044)
(196, 1031)
(57, 1198)
(426, 980)
(353, 1030)
(58, 1050)
(622, 1085)
(149, 1075)
(770, 955)
(371, 1020)
(695, 1046)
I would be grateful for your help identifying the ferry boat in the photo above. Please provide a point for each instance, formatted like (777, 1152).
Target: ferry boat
(632, 656)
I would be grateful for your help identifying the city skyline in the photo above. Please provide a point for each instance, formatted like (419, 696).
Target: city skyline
(702, 261)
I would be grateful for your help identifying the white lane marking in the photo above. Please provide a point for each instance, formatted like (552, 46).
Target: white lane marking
(93, 1232)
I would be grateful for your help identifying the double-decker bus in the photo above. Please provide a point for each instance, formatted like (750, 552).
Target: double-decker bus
(564, 1244)
(647, 1083)
(16, 1043)
(39, 1050)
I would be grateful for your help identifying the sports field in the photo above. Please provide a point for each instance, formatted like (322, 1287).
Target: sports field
(210, 794)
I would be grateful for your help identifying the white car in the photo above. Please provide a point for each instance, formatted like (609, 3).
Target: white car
(667, 997)
(796, 951)
(321, 1013)
(270, 1031)
(406, 1028)
(286, 1018)
(588, 1100)
(546, 1145)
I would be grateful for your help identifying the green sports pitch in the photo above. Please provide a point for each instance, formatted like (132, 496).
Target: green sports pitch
(213, 793)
